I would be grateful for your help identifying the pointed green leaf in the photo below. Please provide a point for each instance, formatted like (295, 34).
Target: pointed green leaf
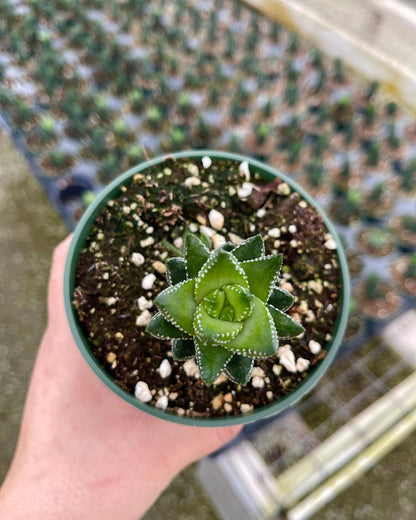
(221, 269)
(205, 240)
(214, 330)
(160, 327)
(211, 360)
(178, 305)
(239, 369)
(175, 270)
(240, 300)
(196, 254)
(258, 337)
(214, 302)
(262, 273)
(228, 246)
(227, 313)
(286, 326)
(281, 299)
(183, 349)
(250, 249)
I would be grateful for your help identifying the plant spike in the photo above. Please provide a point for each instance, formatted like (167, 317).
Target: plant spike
(224, 307)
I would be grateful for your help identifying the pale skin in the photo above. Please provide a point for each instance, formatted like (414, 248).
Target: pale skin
(83, 453)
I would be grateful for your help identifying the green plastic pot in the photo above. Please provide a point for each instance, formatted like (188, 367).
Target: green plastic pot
(78, 243)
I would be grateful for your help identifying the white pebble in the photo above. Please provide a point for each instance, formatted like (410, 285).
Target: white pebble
(302, 364)
(261, 212)
(287, 358)
(149, 241)
(216, 219)
(111, 301)
(283, 189)
(269, 395)
(330, 244)
(148, 281)
(159, 266)
(193, 227)
(245, 170)
(165, 369)
(162, 402)
(245, 190)
(207, 231)
(178, 242)
(218, 240)
(314, 346)
(274, 232)
(245, 407)
(277, 370)
(143, 319)
(206, 161)
(258, 372)
(144, 304)
(292, 228)
(137, 259)
(142, 392)
(235, 239)
(315, 286)
(193, 169)
(191, 369)
(192, 181)
(257, 382)
(217, 402)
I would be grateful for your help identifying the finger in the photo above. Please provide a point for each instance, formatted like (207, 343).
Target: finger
(55, 287)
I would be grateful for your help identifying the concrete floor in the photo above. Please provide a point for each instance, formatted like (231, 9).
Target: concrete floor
(29, 230)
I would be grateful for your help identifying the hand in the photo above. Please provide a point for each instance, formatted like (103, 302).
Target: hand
(84, 453)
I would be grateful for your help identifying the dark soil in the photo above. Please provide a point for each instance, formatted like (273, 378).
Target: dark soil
(148, 217)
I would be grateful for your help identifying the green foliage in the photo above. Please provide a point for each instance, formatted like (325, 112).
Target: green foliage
(224, 307)
(370, 113)
(315, 171)
(154, 117)
(409, 223)
(339, 73)
(373, 153)
(392, 137)
(391, 108)
(291, 93)
(372, 287)
(411, 267)
(378, 238)
(263, 131)
(372, 89)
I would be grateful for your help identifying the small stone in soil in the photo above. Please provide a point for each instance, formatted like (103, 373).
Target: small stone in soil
(162, 402)
(302, 364)
(143, 319)
(148, 281)
(165, 369)
(257, 382)
(314, 346)
(144, 303)
(142, 392)
(137, 259)
(287, 358)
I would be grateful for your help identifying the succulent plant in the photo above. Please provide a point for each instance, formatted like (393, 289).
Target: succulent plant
(224, 307)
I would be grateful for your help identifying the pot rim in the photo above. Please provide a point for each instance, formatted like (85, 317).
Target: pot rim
(283, 403)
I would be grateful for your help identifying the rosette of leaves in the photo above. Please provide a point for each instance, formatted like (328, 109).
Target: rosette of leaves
(224, 308)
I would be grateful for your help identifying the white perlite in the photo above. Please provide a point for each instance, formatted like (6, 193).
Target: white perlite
(148, 281)
(302, 364)
(165, 369)
(111, 301)
(178, 242)
(218, 240)
(235, 239)
(330, 244)
(287, 358)
(292, 228)
(257, 382)
(143, 319)
(216, 219)
(314, 346)
(206, 161)
(191, 369)
(207, 231)
(274, 232)
(142, 392)
(137, 259)
(245, 170)
(245, 190)
(245, 407)
(162, 402)
(144, 304)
